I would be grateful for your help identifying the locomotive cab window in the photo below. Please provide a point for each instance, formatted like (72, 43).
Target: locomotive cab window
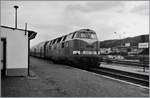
(87, 35)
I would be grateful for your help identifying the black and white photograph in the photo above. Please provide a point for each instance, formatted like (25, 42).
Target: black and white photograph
(74, 48)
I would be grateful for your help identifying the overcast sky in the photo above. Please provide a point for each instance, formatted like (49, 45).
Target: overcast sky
(55, 18)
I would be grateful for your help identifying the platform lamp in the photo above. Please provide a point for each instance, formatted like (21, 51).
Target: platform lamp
(16, 15)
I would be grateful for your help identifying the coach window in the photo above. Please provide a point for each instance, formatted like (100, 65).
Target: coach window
(67, 44)
(54, 41)
(55, 47)
(41, 50)
(61, 39)
(49, 47)
(49, 42)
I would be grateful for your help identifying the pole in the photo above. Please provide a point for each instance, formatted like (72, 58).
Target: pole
(25, 28)
(16, 19)
(28, 57)
(28, 48)
(121, 43)
(16, 15)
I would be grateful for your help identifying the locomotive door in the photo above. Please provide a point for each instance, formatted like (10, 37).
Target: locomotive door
(3, 56)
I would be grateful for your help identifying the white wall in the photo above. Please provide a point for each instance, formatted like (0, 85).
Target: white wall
(17, 48)
(0, 51)
(1, 56)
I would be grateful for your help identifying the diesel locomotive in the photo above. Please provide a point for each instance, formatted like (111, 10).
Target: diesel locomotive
(79, 48)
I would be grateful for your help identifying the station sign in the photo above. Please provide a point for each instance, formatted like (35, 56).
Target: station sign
(143, 45)
(127, 44)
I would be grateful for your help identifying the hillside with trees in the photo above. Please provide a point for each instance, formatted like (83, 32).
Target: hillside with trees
(117, 42)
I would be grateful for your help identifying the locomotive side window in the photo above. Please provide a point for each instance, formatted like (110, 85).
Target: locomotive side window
(69, 37)
(59, 39)
(64, 38)
(73, 35)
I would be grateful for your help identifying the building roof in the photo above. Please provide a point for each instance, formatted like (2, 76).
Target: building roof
(31, 34)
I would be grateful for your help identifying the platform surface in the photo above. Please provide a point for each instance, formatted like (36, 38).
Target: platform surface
(56, 80)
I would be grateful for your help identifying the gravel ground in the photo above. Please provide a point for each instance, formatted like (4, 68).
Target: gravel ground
(54, 80)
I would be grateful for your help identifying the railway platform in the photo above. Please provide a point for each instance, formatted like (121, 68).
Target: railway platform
(56, 80)
(128, 68)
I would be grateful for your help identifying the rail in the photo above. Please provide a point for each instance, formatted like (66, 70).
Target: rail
(127, 62)
(123, 75)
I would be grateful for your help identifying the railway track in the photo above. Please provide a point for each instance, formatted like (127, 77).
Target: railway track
(123, 75)
(134, 63)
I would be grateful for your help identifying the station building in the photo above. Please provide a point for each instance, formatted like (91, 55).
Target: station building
(14, 50)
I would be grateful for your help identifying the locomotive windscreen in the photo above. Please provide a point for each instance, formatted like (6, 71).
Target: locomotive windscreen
(87, 35)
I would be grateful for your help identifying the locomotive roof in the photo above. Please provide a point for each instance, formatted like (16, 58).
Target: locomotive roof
(81, 30)
(86, 30)
(74, 32)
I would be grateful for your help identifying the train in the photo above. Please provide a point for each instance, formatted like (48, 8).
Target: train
(79, 48)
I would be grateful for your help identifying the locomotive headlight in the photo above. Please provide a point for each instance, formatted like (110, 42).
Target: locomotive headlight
(76, 52)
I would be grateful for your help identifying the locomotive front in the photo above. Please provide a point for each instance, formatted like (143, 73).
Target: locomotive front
(86, 48)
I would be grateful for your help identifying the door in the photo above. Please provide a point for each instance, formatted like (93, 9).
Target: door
(3, 56)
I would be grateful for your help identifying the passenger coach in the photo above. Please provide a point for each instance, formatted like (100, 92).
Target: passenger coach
(80, 48)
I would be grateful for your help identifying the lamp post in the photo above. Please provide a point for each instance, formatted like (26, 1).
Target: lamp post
(120, 40)
(120, 37)
(16, 15)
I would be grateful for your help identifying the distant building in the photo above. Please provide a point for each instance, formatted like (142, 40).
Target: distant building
(14, 50)
(131, 50)
(105, 50)
(129, 44)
